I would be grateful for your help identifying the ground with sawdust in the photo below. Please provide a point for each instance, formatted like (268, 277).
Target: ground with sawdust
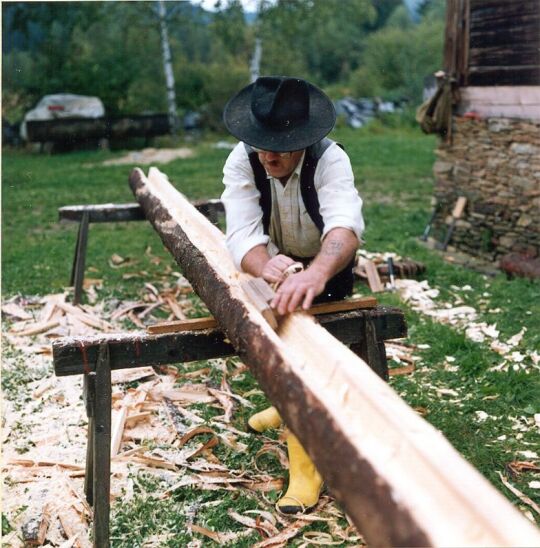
(148, 156)
(162, 430)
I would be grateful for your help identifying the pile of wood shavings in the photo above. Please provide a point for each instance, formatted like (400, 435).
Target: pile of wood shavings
(44, 431)
(422, 297)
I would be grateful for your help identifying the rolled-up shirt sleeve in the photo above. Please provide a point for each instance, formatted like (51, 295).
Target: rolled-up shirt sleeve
(242, 210)
(340, 203)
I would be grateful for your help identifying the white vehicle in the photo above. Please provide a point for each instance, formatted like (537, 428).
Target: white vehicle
(63, 105)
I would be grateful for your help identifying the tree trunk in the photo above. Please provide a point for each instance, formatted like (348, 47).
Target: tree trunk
(255, 65)
(167, 67)
(398, 479)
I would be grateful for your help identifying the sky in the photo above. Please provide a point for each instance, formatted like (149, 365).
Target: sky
(249, 5)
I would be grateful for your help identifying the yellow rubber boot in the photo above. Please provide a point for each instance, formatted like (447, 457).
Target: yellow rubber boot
(305, 482)
(269, 418)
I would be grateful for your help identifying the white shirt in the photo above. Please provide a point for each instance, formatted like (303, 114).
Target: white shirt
(292, 232)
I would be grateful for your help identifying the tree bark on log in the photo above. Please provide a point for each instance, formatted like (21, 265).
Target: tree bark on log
(398, 479)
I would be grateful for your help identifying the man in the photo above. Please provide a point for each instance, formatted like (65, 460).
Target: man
(290, 198)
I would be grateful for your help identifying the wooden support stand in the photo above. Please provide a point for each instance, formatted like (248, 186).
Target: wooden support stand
(97, 480)
(365, 330)
(112, 213)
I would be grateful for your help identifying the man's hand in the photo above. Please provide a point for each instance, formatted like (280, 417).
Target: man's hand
(338, 248)
(273, 270)
(298, 289)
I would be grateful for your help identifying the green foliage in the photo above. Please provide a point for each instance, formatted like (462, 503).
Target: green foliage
(400, 18)
(6, 526)
(230, 28)
(384, 9)
(113, 50)
(396, 60)
(221, 82)
(320, 39)
(433, 9)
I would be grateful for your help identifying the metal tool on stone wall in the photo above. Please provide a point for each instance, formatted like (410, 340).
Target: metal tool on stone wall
(434, 212)
(457, 212)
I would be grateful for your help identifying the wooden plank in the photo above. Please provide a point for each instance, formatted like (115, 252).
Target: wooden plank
(449, 54)
(499, 8)
(462, 61)
(208, 322)
(459, 207)
(361, 435)
(457, 212)
(373, 277)
(527, 75)
(505, 15)
(180, 326)
(34, 530)
(507, 37)
(343, 306)
(74, 355)
(501, 101)
(495, 55)
(258, 299)
(500, 95)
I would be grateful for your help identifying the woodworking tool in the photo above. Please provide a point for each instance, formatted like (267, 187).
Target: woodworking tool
(390, 263)
(427, 230)
(457, 212)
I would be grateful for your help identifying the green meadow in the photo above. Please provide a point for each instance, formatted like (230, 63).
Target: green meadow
(456, 380)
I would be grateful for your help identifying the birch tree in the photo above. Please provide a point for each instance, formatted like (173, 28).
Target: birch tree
(167, 67)
(255, 65)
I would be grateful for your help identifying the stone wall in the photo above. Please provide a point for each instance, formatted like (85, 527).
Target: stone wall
(495, 164)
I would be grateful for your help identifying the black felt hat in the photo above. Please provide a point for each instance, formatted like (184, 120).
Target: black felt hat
(280, 114)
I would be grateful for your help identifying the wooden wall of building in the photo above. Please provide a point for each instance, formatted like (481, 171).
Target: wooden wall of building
(493, 42)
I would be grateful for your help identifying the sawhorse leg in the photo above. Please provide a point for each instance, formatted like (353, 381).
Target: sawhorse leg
(372, 350)
(97, 483)
(77, 271)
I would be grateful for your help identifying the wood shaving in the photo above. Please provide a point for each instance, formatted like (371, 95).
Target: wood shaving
(524, 498)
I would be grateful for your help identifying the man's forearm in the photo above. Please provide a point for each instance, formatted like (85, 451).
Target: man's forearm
(255, 260)
(338, 248)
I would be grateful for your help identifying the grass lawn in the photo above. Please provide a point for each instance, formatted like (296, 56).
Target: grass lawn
(486, 412)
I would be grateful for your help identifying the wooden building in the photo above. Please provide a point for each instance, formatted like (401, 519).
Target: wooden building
(492, 49)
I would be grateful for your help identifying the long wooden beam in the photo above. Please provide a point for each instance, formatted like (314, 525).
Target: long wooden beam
(396, 476)
(108, 213)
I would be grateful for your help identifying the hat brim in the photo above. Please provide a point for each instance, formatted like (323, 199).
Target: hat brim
(245, 127)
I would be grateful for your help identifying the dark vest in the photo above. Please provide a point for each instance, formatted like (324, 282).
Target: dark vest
(342, 283)
(307, 186)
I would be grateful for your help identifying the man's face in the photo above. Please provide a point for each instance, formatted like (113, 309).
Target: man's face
(278, 164)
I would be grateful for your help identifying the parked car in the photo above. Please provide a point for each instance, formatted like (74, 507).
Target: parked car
(63, 106)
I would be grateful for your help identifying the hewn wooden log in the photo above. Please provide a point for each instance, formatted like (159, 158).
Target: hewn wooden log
(102, 213)
(399, 480)
(109, 213)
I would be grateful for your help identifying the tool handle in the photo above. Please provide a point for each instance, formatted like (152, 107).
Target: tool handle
(390, 263)
(427, 230)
